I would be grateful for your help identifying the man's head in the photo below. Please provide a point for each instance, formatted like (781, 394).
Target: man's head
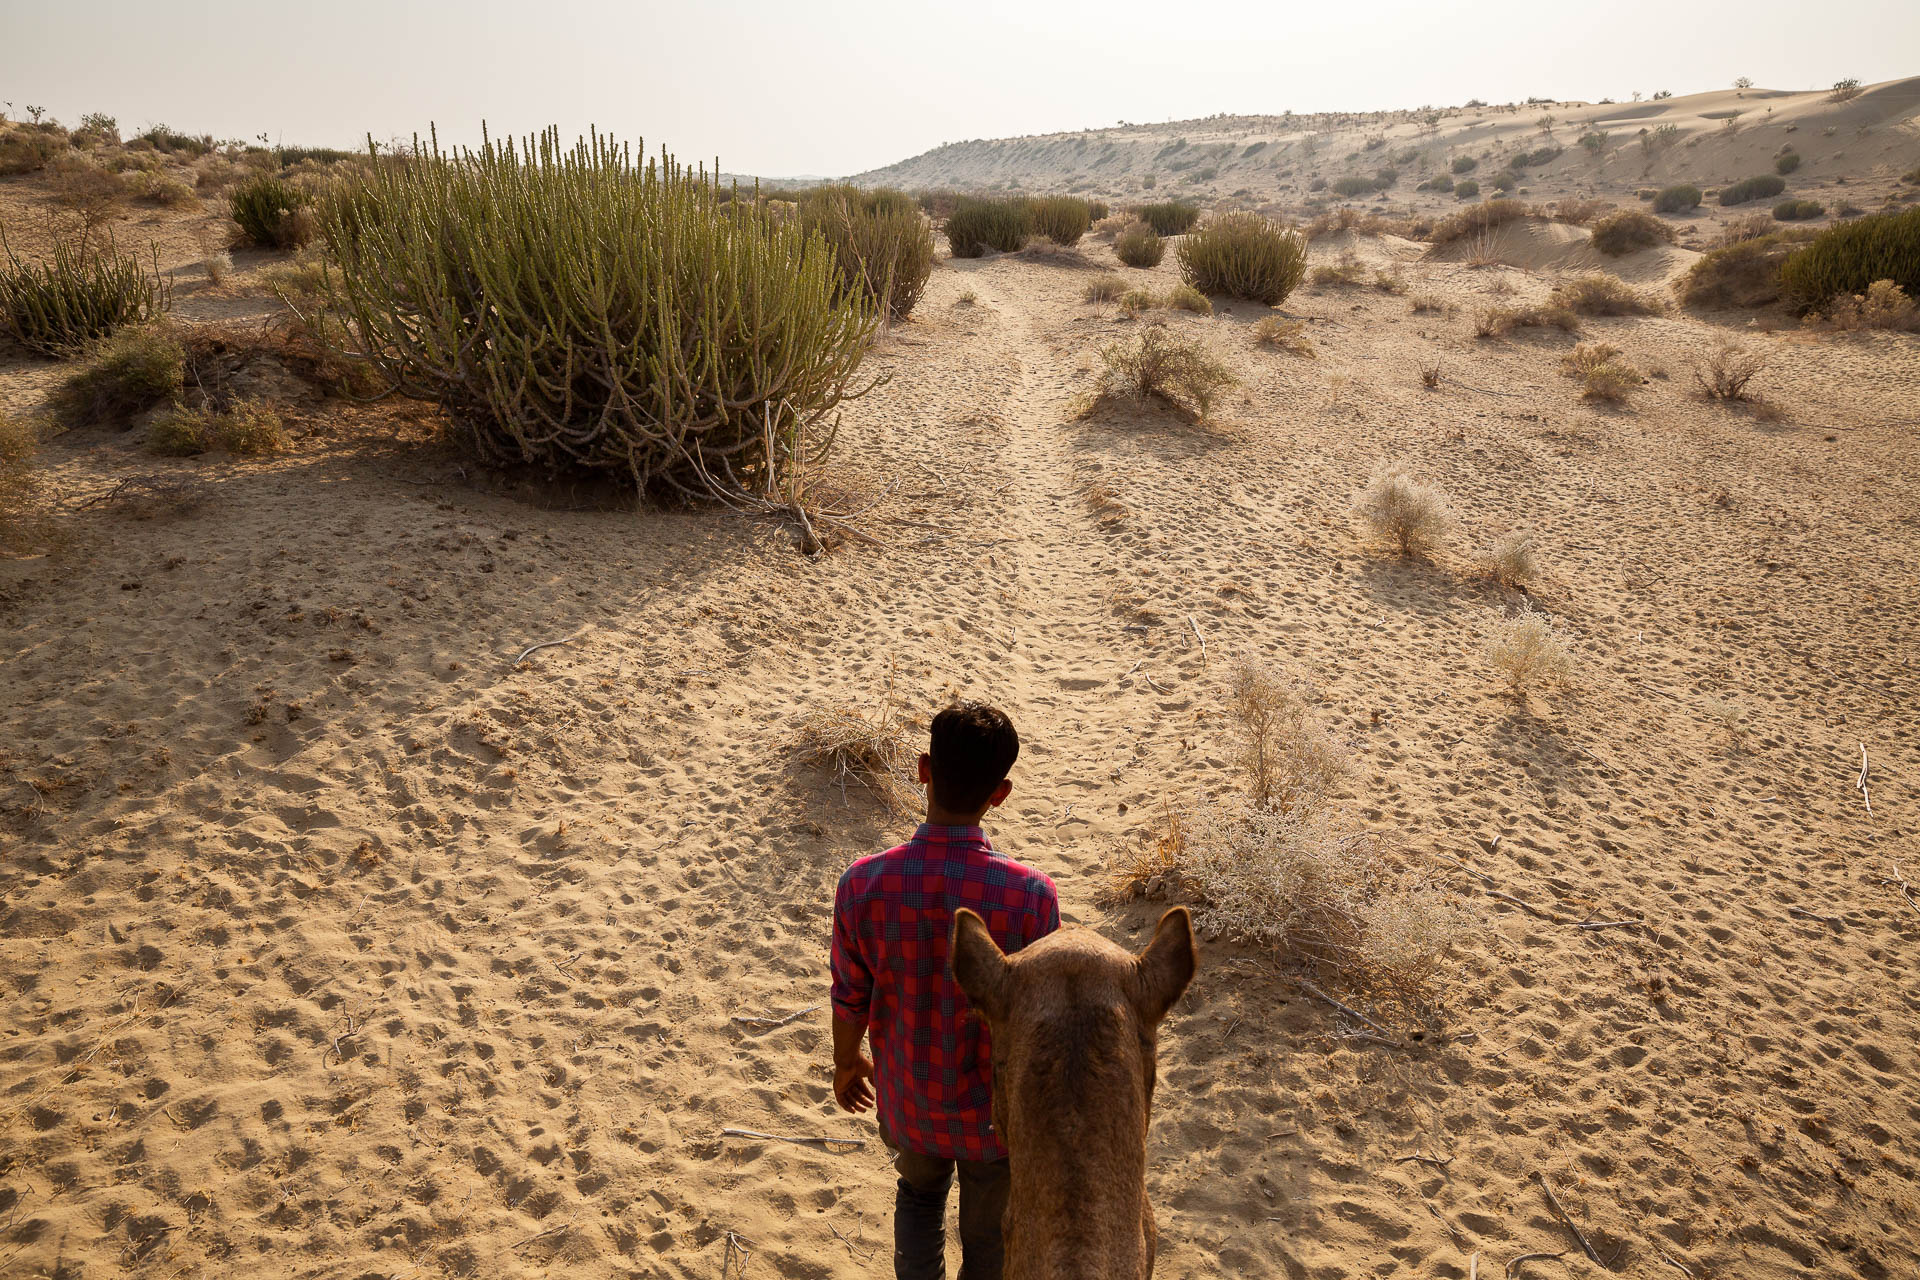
(965, 768)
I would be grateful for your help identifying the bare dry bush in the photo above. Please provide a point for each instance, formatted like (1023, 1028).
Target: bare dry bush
(1288, 760)
(1425, 303)
(873, 751)
(1724, 375)
(218, 266)
(1105, 288)
(1344, 273)
(1158, 365)
(1599, 294)
(1411, 515)
(1495, 322)
(1603, 374)
(1288, 335)
(1528, 652)
(1510, 560)
(1885, 305)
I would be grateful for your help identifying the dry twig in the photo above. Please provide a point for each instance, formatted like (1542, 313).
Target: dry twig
(772, 1024)
(1529, 1257)
(1567, 1218)
(544, 644)
(836, 1145)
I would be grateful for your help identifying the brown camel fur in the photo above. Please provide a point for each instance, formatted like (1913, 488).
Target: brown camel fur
(1073, 1020)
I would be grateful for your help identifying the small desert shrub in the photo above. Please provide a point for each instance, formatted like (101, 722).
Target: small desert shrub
(1139, 246)
(1724, 375)
(87, 191)
(575, 309)
(162, 189)
(1848, 257)
(1184, 297)
(882, 245)
(1287, 760)
(1346, 271)
(871, 750)
(1528, 652)
(1602, 373)
(1105, 288)
(979, 225)
(1786, 162)
(1288, 335)
(1599, 294)
(1844, 90)
(1743, 274)
(218, 267)
(1422, 303)
(79, 294)
(1112, 225)
(1680, 198)
(1505, 182)
(1439, 182)
(246, 429)
(1494, 322)
(1245, 256)
(24, 150)
(1885, 305)
(1510, 560)
(130, 372)
(1464, 164)
(1479, 218)
(1747, 226)
(264, 206)
(1580, 213)
(1628, 230)
(1061, 219)
(1160, 365)
(1352, 185)
(1411, 515)
(1797, 210)
(1466, 190)
(1760, 187)
(1169, 217)
(1097, 211)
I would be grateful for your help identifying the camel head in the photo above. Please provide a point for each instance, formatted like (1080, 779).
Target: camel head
(1073, 1021)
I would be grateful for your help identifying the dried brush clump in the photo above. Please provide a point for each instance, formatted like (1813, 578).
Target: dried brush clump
(1480, 218)
(1344, 272)
(1495, 322)
(1528, 652)
(21, 481)
(1602, 373)
(1288, 335)
(1510, 560)
(1885, 305)
(246, 429)
(1725, 373)
(1629, 230)
(1287, 761)
(607, 315)
(129, 373)
(1105, 288)
(873, 751)
(1411, 515)
(1159, 365)
(1599, 294)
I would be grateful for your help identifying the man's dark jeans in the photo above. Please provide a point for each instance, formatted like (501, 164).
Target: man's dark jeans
(920, 1216)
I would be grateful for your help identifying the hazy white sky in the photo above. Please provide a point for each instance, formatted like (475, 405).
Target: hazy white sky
(781, 87)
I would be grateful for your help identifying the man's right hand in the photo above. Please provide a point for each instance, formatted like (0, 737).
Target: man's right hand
(850, 1087)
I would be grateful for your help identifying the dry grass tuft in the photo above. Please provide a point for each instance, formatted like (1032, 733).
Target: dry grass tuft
(20, 478)
(874, 751)
(1413, 516)
(1104, 503)
(1425, 303)
(1158, 365)
(1510, 560)
(245, 429)
(1602, 373)
(1288, 761)
(1288, 335)
(1528, 652)
(1344, 273)
(1885, 305)
(1105, 288)
(1599, 294)
(1724, 375)
(1184, 297)
(1494, 322)
(218, 266)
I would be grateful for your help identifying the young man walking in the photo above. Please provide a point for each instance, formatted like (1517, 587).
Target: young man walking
(931, 1070)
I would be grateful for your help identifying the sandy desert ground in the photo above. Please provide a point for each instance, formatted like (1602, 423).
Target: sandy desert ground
(340, 941)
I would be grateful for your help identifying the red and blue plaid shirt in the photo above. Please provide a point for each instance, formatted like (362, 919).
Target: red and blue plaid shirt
(933, 1067)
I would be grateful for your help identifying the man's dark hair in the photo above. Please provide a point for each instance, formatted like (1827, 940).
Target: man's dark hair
(974, 746)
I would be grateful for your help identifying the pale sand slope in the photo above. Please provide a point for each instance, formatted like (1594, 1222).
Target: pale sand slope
(1852, 151)
(274, 787)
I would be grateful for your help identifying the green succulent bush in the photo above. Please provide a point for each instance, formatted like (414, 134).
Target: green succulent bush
(574, 309)
(1628, 230)
(82, 292)
(1464, 164)
(982, 224)
(1848, 257)
(1679, 198)
(267, 208)
(1797, 210)
(1759, 187)
(1467, 189)
(881, 243)
(1246, 256)
(1353, 186)
(1786, 162)
(1139, 246)
(1745, 273)
(1169, 217)
(1061, 219)
(130, 372)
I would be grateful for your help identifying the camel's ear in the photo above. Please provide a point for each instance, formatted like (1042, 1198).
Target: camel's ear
(978, 964)
(1166, 966)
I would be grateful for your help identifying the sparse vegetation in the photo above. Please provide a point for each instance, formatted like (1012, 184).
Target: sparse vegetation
(1786, 162)
(1528, 652)
(1139, 246)
(980, 225)
(1061, 219)
(1158, 365)
(1848, 257)
(246, 428)
(1494, 322)
(1745, 273)
(1478, 218)
(1602, 373)
(267, 208)
(606, 316)
(1244, 255)
(1406, 512)
(1169, 217)
(20, 477)
(1885, 305)
(1682, 197)
(1844, 90)
(1629, 230)
(1288, 335)
(1760, 187)
(1599, 294)
(81, 292)
(1105, 288)
(130, 372)
(1725, 373)
(882, 245)
(1798, 210)
(1510, 560)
